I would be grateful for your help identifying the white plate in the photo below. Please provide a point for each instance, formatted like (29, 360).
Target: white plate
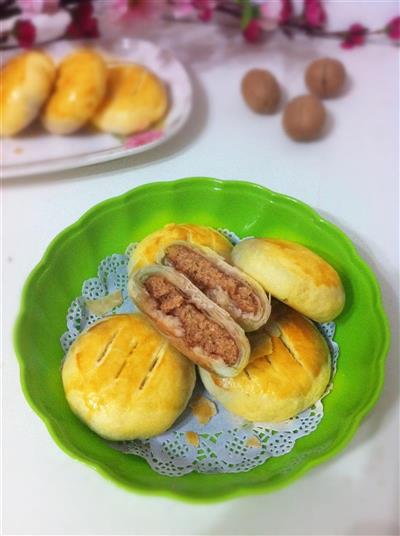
(36, 151)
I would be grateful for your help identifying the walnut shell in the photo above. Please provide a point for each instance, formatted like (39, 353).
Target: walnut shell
(261, 91)
(304, 118)
(325, 77)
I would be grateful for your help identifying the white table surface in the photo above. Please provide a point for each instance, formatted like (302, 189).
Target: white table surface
(350, 177)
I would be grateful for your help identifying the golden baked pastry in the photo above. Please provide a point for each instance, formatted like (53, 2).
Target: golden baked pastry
(124, 380)
(151, 248)
(289, 371)
(80, 87)
(25, 83)
(293, 274)
(199, 328)
(134, 101)
(242, 297)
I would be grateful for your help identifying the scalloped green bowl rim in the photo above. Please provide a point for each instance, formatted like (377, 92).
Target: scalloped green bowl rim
(201, 200)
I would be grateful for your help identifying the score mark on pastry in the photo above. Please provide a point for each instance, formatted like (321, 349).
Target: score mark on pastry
(205, 302)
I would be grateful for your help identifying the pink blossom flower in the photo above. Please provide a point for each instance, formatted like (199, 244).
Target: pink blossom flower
(25, 33)
(253, 31)
(275, 12)
(89, 27)
(182, 9)
(84, 24)
(286, 11)
(130, 10)
(205, 9)
(50, 6)
(143, 9)
(34, 7)
(269, 12)
(393, 29)
(205, 15)
(118, 8)
(142, 138)
(355, 36)
(314, 13)
(270, 9)
(30, 7)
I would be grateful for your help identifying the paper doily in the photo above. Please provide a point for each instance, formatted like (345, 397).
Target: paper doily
(227, 443)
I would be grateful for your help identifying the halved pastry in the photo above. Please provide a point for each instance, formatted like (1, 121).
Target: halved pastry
(289, 370)
(124, 380)
(148, 251)
(242, 297)
(195, 325)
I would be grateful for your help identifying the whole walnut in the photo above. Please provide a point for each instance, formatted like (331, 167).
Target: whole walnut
(261, 91)
(325, 77)
(304, 118)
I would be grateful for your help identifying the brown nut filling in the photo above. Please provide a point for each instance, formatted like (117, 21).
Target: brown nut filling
(207, 277)
(198, 328)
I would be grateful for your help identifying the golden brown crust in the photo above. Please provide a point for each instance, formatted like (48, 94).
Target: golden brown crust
(25, 83)
(135, 99)
(124, 380)
(148, 251)
(289, 376)
(80, 87)
(294, 274)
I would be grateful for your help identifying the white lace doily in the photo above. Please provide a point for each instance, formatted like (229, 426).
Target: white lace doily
(227, 443)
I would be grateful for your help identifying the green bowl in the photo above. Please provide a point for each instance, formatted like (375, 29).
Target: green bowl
(247, 209)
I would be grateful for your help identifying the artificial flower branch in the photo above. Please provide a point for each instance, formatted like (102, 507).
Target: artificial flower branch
(255, 18)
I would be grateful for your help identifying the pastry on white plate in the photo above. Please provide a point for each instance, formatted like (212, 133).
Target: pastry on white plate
(135, 100)
(79, 89)
(25, 83)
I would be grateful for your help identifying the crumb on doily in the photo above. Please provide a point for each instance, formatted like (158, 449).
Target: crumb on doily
(203, 409)
(104, 305)
(192, 438)
(253, 442)
(18, 150)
